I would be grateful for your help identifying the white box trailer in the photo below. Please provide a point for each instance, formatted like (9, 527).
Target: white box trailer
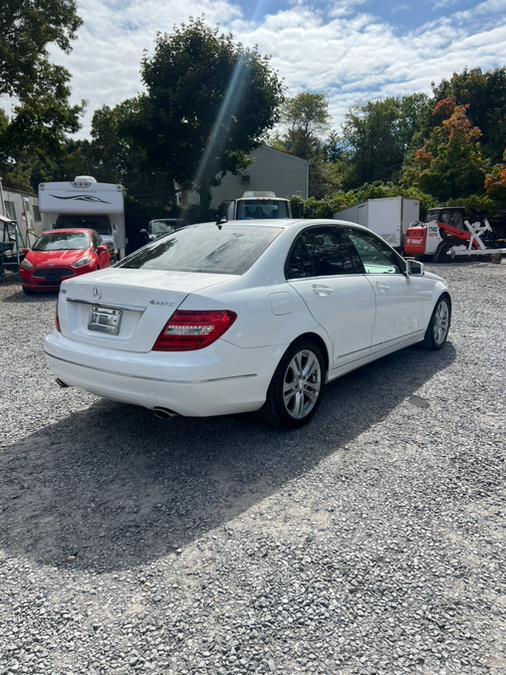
(85, 203)
(389, 217)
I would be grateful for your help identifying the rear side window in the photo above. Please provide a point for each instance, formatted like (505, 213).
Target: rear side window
(217, 249)
(322, 252)
(376, 256)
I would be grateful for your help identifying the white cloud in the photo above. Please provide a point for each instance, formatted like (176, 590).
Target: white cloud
(351, 55)
(441, 4)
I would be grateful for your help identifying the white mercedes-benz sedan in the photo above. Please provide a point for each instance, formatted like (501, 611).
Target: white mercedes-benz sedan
(233, 317)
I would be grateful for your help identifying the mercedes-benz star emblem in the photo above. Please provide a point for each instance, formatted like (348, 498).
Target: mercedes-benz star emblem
(96, 293)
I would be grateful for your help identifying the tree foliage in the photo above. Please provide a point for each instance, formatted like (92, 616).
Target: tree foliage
(26, 29)
(306, 117)
(34, 138)
(208, 102)
(450, 164)
(485, 94)
(379, 134)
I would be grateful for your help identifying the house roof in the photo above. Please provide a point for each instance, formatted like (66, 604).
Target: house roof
(281, 152)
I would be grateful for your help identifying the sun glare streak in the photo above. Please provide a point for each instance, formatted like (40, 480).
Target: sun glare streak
(217, 142)
(220, 133)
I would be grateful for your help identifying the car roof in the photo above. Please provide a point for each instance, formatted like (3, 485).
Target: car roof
(67, 230)
(287, 223)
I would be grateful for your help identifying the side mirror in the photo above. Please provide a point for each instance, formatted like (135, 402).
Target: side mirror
(24, 251)
(102, 248)
(414, 268)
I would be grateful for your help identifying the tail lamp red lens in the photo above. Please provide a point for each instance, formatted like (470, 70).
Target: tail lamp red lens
(187, 330)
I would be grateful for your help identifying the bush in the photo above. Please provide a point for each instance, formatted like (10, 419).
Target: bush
(476, 205)
(326, 208)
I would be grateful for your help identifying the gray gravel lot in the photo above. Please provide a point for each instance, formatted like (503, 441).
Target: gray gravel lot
(370, 541)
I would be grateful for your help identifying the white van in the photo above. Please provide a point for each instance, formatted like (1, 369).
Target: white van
(86, 203)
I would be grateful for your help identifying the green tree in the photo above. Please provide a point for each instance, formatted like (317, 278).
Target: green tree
(113, 155)
(485, 94)
(26, 29)
(209, 101)
(378, 136)
(450, 164)
(33, 141)
(307, 117)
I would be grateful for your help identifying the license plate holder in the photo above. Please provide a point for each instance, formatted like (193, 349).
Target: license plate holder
(105, 320)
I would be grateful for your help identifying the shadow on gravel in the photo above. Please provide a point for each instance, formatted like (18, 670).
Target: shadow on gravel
(20, 298)
(112, 487)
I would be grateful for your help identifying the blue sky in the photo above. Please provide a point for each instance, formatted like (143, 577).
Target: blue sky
(352, 50)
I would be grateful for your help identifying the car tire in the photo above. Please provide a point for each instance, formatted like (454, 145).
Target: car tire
(28, 291)
(439, 325)
(296, 388)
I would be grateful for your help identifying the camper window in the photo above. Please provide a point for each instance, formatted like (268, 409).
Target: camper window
(261, 208)
(100, 224)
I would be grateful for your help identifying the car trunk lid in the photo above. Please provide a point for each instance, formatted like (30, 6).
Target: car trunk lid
(126, 309)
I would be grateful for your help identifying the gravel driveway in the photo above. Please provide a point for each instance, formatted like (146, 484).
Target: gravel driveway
(368, 542)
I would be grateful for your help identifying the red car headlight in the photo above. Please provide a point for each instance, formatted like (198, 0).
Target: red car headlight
(82, 262)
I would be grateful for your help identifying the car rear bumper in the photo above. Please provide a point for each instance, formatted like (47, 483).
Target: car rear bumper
(220, 380)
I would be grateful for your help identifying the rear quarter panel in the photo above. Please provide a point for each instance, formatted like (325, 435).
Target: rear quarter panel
(257, 324)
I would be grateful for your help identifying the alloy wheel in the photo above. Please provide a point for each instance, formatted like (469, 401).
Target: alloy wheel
(441, 322)
(302, 384)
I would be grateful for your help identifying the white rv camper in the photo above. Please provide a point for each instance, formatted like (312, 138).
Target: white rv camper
(86, 203)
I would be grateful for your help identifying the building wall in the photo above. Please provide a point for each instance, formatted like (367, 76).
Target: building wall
(22, 207)
(279, 172)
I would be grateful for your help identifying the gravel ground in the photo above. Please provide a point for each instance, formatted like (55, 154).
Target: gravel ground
(368, 542)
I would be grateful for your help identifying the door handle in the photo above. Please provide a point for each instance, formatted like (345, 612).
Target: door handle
(382, 288)
(322, 290)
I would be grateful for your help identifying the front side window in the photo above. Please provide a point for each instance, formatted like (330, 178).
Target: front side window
(97, 240)
(62, 241)
(322, 252)
(217, 249)
(161, 227)
(376, 256)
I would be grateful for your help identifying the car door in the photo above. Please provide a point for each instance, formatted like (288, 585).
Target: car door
(399, 298)
(324, 268)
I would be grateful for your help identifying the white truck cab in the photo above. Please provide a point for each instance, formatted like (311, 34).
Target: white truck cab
(257, 205)
(85, 203)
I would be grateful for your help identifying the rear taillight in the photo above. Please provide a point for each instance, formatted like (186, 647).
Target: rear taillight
(187, 330)
(57, 319)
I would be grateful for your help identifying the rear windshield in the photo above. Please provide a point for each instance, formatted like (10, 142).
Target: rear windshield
(261, 208)
(62, 241)
(211, 248)
(100, 224)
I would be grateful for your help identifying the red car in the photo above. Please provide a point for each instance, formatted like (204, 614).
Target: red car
(59, 255)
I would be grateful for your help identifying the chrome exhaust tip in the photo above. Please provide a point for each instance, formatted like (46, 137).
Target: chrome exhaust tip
(61, 383)
(164, 413)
